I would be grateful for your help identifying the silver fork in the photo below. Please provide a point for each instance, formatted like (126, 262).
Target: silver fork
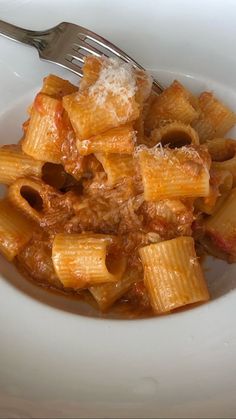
(67, 45)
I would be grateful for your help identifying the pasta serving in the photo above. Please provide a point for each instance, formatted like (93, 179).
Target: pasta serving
(114, 192)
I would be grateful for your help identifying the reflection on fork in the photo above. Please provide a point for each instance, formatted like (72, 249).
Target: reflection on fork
(67, 45)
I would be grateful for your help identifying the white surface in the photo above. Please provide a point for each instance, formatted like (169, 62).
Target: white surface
(57, 363)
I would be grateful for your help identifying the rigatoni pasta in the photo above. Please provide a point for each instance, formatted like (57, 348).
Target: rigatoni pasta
(117, 166)
(119, 140)
(221, 228)
(215, 118)
(174, 104)
(107, 294)
(174, 173)
(57, 87)
(81, 260)
(14, 164)
(91, 71)
(175, 135)
(28, 196)
(88, 117)
(110, 195)
(223, 154)
(45, 131)
(221, 182)
(172, 274)
(15, 230)
(221, 149)
(86, 108)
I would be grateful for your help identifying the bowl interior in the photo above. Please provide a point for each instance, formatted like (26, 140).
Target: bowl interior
(220, 276)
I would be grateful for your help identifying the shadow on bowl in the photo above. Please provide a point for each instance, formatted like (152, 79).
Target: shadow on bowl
(71, 303)
(220, 277)
(60, 301)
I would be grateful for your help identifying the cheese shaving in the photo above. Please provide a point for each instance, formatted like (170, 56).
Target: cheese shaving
(116, 78)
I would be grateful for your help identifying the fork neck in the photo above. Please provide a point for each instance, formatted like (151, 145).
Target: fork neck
(33, 38)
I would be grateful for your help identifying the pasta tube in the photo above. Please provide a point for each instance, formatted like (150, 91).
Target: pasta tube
(91, 70)
(223, 154)
(119, 140)
(15, 230)
(174, 104)
(174, 173)
(14, 164)
(215, 118)
(172, 274)
(89, 118)
(221, 227)
(108, 103)
(57, 87)
(27, 195)
(175, 134)
(45, 131)
(220, 184)
(221, 149)
(116, 166)
(107, 294)
(82, 260)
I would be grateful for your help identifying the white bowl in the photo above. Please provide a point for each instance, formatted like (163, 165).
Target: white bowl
(55, 359)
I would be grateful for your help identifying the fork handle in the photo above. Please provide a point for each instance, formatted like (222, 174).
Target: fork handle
(21, 35)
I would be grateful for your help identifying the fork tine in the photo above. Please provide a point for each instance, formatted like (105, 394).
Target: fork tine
(108, 46)
(68, 64)
(87, 47)
(75, 56)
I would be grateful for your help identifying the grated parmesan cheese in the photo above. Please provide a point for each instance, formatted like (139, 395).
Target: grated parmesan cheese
(190, 152)
(116, 78)
(165, 152)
